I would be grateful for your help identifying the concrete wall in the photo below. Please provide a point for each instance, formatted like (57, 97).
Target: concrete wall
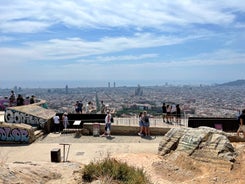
(32, 114)
(16, 133)
(125, 130)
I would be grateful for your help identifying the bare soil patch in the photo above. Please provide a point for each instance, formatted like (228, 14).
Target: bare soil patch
(173, 168)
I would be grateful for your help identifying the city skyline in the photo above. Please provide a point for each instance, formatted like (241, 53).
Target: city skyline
(127, 42)
(108, 84)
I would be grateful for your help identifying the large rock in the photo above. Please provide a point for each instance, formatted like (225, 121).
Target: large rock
(203, 143)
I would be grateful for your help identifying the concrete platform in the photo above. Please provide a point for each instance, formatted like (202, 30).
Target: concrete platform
(83, 149)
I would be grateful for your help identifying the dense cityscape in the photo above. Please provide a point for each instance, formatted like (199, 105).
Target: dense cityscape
(201, 101)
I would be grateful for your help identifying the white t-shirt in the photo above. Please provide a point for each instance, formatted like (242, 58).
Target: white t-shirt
(108, 118)
(56, 119)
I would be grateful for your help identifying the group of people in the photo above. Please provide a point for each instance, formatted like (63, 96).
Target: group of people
(89, 107)
(79, 107)
(171, 113)
(65, 122)
(144, 124)
(19, 100)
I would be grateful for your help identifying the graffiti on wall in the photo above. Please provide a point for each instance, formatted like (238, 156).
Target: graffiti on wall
(15, 134)
(20, 117)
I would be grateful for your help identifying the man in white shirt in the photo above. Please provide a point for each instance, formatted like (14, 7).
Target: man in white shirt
(56, 119)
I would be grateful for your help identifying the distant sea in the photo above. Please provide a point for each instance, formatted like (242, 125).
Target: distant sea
(100, 83)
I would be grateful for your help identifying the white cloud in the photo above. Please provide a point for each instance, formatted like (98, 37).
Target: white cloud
(11, 56)
(126, 57)
(24, 26)
(109, 13)
(6, 39)
(217, 58)
(73, 48)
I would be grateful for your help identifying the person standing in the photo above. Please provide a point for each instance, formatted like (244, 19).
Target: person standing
(169, 108)
(146, 123)
(141, 124)
(107, 124)
(32, 99)
(242, 124)
(19, 100)
(164, 112)
(178, 115)
(78, 107)
(89, 107)
(56, 119)
(65, 120)
(11, 98)
(102, 107)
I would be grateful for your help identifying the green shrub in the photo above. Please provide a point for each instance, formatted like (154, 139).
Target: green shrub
(112, 170)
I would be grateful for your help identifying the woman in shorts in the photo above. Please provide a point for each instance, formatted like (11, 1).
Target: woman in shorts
(146, 123)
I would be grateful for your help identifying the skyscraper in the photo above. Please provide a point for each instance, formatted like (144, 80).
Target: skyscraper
(66, 89)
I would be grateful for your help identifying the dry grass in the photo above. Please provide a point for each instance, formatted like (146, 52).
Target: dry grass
(109, 170)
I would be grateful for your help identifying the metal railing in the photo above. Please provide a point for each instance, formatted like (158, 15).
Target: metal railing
(154, 122)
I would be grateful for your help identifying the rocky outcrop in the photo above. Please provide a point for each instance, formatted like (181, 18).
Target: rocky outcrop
(203, 143)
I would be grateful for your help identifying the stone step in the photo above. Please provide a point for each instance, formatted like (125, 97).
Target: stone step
(38, 134)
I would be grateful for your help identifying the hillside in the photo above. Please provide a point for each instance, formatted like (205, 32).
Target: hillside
(240, 82)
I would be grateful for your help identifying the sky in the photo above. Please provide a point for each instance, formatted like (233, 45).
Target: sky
(123, 41)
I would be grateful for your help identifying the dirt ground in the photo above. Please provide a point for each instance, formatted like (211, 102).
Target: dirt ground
(178, 168)
(171, 169)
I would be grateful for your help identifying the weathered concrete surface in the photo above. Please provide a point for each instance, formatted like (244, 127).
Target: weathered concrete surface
(34, 110)
(33, 114)
(126, 130)
(203, 143)
(16, 133)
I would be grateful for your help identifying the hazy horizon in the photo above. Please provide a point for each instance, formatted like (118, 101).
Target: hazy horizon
(100, 83)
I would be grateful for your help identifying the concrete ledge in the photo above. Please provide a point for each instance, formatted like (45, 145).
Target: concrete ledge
(126, 130)
(16, 133)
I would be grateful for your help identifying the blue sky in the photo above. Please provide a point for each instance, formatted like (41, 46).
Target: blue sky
(157, 41)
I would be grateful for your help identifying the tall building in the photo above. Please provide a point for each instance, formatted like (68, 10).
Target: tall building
(66, 89)
(138, 91)
(109, 84)
(114, 84)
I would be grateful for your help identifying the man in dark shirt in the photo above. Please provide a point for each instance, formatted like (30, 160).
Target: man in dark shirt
(242, 123)
(164, 112)
(32, 100)
(20, 100)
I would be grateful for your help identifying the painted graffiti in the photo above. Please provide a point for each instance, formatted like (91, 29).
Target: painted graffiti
(19, 117)
(190, 139)
(15, 134)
